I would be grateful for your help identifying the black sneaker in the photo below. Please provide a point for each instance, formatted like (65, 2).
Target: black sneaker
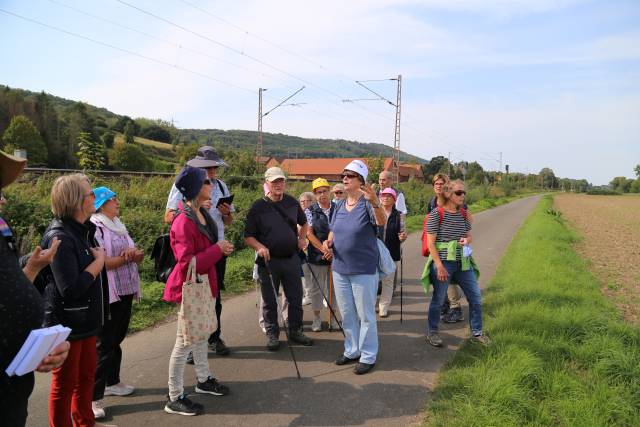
(212, 386)
(273, 343)
(343, 360)
(300, 338)
(454, 315)
(363, 368)
(183, 406)
(190, 359)
(220, 348)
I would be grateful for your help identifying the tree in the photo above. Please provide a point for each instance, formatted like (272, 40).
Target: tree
(376, 165)
(435, 165)
(621, 184)
(635, 186)
(548, 178)
(637, 171)
(129, 157)
(90, 152)
(22, 134)
(156, 133)
(108, 138)
(129, 132)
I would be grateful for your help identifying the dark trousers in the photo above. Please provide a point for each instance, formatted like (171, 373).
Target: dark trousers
(286, 273)
(14, 395)
(113, 333)
(221, 268)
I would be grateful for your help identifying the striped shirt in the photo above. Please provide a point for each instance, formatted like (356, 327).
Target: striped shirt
(453, 227)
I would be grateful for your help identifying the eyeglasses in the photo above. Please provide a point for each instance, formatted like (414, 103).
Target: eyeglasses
(212, 167)
(306, 201)
(438, 184)
(460, 193)
(338, 192)
(349, 175)
(207, 182)
(321, 191)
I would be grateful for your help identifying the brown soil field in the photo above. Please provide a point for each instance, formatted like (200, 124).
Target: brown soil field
(610, 226)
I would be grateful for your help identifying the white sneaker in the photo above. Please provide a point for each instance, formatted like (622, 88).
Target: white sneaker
(98, 408)
(316, 326)
(334, 325)
(306, 301)
(119, 389)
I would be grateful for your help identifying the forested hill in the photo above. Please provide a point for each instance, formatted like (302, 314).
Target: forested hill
(55, 130)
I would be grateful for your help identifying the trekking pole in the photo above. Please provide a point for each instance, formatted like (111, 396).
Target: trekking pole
(315, 279)
(401, 283)
(330, 295)
(286, 331)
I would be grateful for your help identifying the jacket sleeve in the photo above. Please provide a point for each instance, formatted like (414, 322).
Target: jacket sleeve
(183, 245)
(70, 280)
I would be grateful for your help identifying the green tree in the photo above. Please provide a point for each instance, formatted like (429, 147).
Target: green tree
(376, 165)
(621, 184)
(635, 186)
(129, 132)
(22, 134)
(129, 157)
(637, 171)
(548, 178)
(90, 152)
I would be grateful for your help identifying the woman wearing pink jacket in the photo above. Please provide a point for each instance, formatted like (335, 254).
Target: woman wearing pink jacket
(193, 234)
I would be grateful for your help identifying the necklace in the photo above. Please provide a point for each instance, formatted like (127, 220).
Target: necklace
(354, 203)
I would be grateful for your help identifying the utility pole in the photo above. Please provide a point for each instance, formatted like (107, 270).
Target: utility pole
(259, 146)
(397, 104)
(501, 162)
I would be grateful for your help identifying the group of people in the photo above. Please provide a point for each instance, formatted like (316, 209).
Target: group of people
(86, 269)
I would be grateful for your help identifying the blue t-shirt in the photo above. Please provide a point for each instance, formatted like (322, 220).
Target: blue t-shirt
(355, 250)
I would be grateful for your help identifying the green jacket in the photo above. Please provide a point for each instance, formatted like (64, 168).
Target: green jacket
(452, 248)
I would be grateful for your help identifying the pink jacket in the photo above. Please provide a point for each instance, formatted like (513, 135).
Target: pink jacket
(186, 242)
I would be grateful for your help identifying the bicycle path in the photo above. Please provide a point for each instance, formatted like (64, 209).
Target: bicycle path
(264, 388)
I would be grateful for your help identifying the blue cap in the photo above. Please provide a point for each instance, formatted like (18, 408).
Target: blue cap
(103, 194)
(189, 181)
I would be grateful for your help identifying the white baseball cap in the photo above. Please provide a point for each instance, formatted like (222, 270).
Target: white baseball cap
(358, 167)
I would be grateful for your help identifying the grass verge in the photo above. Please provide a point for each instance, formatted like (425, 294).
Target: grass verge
(559, 356)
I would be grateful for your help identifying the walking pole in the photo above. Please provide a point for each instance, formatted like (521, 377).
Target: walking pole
(286, 331)
(401, 282)
(331, 295)
(332, 313)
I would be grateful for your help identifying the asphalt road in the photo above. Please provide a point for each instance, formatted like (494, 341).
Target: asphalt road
(264, 387)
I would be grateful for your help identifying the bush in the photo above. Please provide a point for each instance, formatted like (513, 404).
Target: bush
(129, 157)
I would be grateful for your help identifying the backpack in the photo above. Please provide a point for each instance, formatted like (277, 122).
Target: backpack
(425, 244)
(163, 259)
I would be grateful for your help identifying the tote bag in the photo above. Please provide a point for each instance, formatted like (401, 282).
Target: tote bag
(198, 308)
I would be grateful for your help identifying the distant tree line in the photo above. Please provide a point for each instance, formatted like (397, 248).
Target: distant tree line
(623, 184)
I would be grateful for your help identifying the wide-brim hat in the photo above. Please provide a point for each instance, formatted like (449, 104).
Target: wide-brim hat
(103, 195)
(206, 157)
(359, 167)
(10, 168)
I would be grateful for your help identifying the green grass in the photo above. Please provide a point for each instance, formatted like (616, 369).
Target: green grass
(560, 355)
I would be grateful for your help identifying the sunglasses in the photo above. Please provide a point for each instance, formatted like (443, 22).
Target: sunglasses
(460, 193)
(349, 175)
(207, 182)
(212, 167)
(337, 192)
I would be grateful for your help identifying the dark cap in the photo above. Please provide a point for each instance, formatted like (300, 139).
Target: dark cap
(189, 181)
(207, 157)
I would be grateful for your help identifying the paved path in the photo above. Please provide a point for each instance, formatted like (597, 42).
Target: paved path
(264, 388)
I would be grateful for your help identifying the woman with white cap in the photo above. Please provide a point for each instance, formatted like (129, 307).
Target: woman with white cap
(121, 262)
(355, 266)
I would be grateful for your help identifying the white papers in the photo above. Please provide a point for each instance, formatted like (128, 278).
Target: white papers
(36, 347)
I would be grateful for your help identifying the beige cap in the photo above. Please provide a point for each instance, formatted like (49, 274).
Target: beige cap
(274, 173)
(10, 168)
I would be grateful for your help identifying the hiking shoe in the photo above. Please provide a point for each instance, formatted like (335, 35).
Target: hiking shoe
(343, 360)
(434, 339)
(220, 348)
(384, 313)
(212, 386)
(300, 338)
(454, 315)
(183, 406)
(273, 343)
(481, 339)
(335, 326)
(363, 368)
(316, 326)
(98, 408)
(119, 389)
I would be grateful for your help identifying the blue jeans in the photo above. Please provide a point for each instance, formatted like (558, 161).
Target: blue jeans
(356, 297)
(469, 285)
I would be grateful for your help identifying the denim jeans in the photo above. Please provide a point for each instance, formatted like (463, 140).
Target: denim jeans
(356, 297)
(469, 285)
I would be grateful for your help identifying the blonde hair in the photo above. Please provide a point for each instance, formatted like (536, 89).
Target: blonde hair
(67, 195)
(441, 176)
(307, 194)
(447, 189)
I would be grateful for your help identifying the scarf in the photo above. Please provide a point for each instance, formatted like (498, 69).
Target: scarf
(115, 225)
(210, 230)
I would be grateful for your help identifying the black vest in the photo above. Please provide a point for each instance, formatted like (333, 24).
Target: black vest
(392, 241)
(320, 230)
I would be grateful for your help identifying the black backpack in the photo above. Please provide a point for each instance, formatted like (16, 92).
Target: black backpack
(163, 259)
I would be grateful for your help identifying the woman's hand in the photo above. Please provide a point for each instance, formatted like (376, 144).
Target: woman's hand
(98, 255)
(464, 241)
(369, 191)
(56, 358)
(402, 236)
(225, 247)
(264, 253)
(443, 274)
(327, 254)
(40, 258)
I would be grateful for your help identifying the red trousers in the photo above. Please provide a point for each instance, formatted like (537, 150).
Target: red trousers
(72, 387)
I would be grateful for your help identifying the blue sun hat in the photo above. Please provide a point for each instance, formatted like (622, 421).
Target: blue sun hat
(103, 194)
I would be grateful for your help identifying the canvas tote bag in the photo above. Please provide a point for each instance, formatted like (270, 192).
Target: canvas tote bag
(198, 308)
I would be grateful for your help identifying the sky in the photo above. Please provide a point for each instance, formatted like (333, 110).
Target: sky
(538, 83)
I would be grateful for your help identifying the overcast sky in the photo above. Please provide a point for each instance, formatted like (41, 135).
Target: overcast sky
(546, 83)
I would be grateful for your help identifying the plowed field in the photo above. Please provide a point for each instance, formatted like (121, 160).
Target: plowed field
(610, 226)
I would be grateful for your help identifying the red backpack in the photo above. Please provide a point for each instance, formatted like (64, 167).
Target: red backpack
(425, 244)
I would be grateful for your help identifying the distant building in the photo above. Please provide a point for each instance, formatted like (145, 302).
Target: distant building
(331, 168)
